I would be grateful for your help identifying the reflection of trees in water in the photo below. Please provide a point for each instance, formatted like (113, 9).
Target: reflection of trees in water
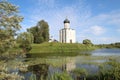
(40, 70)
(12, 69)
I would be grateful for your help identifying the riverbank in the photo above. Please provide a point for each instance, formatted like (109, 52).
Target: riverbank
(60, 48)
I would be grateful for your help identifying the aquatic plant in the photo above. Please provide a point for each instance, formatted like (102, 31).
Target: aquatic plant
(9, 70)
(61, 76)
(80, 73)
(33, 77)
(6, 75)
(110, 70)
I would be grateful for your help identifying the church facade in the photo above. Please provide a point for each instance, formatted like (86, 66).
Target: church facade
(67, 35)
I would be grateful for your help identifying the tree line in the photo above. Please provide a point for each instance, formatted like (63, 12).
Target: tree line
(40, 32)
(9, 25)
(112, 45)
(37, 34)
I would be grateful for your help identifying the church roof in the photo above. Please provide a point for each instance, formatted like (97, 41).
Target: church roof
(66, 21)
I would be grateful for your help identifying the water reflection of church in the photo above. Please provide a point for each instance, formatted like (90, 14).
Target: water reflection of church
(70, 65)
(45, 70)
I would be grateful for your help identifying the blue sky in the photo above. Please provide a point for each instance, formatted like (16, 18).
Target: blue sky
(97, 20)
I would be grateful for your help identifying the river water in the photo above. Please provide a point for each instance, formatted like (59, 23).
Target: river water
(48, 65)
(45, 66)
(106, 52)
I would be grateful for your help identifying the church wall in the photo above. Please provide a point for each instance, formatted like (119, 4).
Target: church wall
(67, 35)
(67, 25)
(70, 36)
(60, 36)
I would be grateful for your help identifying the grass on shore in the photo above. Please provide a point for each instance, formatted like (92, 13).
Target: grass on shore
(59, 48)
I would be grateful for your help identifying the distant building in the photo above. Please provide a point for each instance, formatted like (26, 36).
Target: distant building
(67, 35)
(52, 39)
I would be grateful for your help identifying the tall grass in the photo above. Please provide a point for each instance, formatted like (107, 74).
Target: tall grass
(59, 48)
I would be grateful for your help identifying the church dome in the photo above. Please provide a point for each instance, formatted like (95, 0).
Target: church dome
(66, 21)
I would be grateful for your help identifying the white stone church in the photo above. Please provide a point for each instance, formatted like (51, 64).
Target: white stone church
(67, 35)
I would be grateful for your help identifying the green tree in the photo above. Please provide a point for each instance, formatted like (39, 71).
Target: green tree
(40, 32)
(25, 36)
(44, 29)
(117, 44)
(9, 24)
(36, 34)
(25, 39)
(87, 42)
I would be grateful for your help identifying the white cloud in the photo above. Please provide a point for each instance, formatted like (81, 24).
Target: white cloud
(82, 20)
(108, 39)
(94, 30)
(118, 30)
(109, 23)
(97, 30)
(114, 18)
(75, 13)
(111, 18)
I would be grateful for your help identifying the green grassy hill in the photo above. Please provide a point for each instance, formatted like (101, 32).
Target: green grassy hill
(59, 48)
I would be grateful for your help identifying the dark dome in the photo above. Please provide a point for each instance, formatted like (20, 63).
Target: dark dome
(66, 21)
